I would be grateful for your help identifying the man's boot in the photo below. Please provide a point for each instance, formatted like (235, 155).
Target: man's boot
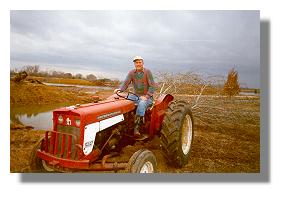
(138, 123)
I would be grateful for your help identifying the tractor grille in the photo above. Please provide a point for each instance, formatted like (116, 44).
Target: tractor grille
(62, 145)
(69, 130)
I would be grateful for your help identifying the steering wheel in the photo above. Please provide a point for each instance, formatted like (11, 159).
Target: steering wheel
(128, 96)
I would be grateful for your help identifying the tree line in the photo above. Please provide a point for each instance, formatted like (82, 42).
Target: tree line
(188, 82)
(34, 70)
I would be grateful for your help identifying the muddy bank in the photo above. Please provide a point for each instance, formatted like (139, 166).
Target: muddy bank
(25, 93)
(22, 140)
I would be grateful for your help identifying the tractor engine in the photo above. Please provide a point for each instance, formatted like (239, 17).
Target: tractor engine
(112, 138)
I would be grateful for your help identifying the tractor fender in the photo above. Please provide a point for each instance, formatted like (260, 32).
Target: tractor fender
(164, 100)
(158, 111)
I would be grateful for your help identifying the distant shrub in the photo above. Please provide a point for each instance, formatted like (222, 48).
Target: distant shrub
(232, 87)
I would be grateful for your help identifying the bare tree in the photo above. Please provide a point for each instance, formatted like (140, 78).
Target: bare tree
(67, 75)
(205, 95)
(78, 76)
(31, 69)
(190, 84)
(91, 77)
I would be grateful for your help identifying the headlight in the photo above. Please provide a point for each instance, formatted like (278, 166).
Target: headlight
(77, 122)
(60, 119)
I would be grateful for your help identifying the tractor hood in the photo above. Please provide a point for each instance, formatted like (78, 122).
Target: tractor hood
(96, 112)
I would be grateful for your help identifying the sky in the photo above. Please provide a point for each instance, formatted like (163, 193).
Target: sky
(104, 42)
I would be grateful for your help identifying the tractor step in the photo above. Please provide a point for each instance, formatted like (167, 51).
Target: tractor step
(142, 137)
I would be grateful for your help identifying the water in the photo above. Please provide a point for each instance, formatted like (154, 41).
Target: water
(80, 86)
(40, 121)
(40, 116)
(248, 93)
(37, 116)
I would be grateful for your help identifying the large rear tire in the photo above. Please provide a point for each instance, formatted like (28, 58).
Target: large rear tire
(177, 133)
(142, 161)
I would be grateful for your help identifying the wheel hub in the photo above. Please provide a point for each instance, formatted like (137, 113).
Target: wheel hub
(147, 168)
(186, 137)
(46, 167)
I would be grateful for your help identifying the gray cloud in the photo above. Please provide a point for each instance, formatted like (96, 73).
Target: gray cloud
(105, 41)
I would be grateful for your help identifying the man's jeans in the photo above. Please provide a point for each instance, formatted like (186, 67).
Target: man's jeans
(142, 104)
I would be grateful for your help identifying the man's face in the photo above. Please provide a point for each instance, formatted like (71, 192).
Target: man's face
(139, 65)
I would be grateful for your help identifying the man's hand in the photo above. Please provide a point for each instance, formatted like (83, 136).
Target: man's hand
(116, 90)
(143, 98)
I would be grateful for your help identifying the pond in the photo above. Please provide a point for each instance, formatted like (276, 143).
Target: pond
(80, 86)
(37, 116)
(40, 116)
(244, 93)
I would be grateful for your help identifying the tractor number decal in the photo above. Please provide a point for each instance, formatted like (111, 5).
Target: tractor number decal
(89, 137)
(88, 144)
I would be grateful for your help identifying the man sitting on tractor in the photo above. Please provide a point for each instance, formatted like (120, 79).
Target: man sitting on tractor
(144, 87)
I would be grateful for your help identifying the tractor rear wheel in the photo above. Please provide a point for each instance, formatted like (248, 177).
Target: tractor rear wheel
(177, 133)
(142, 161)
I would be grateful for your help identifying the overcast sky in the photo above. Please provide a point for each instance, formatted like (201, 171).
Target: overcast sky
(104, 42)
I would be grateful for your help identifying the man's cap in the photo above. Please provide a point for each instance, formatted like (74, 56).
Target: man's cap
(137, 58)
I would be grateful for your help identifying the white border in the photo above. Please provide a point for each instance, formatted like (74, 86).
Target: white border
(11, 184)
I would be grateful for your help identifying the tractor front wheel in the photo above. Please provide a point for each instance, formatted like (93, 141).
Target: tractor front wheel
(36, 164)
(177, 133)
(142, 161)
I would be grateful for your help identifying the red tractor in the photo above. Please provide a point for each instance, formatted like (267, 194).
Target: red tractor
(86, 137)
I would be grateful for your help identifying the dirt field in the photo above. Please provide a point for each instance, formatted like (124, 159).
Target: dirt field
(231, 143)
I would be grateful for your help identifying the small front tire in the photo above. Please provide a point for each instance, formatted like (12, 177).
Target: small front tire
(142, 161)
(36, 164)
